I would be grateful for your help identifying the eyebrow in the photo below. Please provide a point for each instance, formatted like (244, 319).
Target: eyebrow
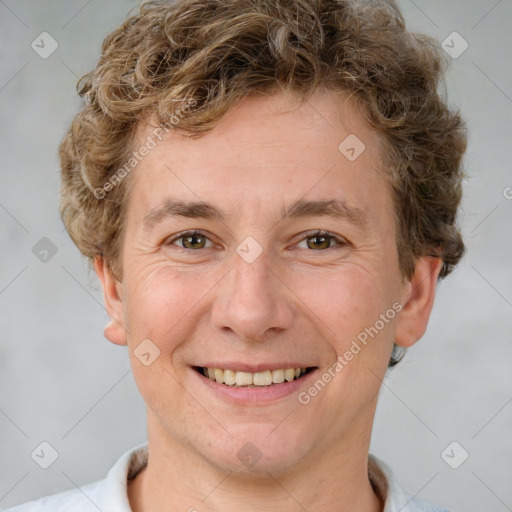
(335, 208)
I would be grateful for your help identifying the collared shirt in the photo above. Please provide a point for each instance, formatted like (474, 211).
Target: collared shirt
(111, 493)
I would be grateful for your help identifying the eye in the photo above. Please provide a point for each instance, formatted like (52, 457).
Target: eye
(191, 240)
(315, 240)
(321, 240)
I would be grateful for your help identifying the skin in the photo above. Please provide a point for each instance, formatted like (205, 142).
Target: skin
(292, 303)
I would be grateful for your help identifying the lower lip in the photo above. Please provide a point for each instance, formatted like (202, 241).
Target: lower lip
(251, 395)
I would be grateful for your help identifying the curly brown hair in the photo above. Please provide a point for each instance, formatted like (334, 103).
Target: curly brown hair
(216, 52)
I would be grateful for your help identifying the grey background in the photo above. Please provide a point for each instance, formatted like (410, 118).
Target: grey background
(62, 382)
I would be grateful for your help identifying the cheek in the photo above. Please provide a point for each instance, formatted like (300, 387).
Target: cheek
(346, 299)
(159, 305)
(159, 316)
(349, 301)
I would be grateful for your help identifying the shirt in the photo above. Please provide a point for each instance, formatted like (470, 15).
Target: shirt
(111, 493)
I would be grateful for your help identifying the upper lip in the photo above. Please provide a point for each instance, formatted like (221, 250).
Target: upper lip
(253, 368)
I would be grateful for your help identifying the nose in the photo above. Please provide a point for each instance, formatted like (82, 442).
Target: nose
(252, 301)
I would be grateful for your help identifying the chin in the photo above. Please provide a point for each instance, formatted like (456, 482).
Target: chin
(259, 451)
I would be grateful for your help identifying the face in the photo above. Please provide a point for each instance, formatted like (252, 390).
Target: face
(256, 289)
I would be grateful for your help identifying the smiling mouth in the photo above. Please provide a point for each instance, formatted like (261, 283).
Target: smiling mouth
(253, 380)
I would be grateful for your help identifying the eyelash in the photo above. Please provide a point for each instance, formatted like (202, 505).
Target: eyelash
(310, 234)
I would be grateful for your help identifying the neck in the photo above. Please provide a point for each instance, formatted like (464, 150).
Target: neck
(177, 478)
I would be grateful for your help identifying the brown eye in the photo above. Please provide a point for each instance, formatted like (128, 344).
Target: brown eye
(191, 240)
(320, 241)
(194, 241)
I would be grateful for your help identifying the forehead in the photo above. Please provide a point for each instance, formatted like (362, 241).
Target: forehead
(266, 149)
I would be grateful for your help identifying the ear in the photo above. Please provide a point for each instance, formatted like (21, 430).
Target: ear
(115, 329)
(418, 299)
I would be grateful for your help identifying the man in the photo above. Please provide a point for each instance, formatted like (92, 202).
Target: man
(268, 193)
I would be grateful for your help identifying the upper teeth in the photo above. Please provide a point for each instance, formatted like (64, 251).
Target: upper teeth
(266, 378)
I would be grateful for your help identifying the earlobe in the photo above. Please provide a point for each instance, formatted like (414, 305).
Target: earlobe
(115, 330)
(418, 301)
